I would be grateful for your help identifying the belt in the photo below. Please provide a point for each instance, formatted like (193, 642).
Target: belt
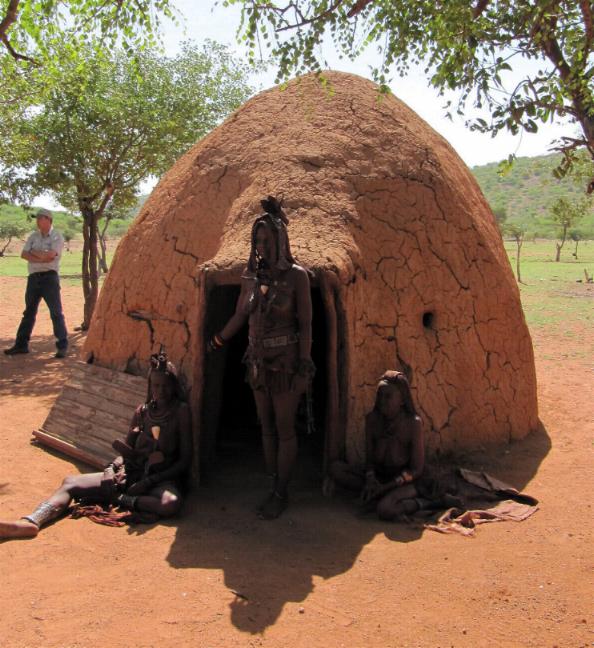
(43, 272)
(271, 342)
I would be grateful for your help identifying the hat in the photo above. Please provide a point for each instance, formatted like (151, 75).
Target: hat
(45, 213)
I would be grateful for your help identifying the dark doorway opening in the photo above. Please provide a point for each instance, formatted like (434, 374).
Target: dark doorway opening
(229, 432)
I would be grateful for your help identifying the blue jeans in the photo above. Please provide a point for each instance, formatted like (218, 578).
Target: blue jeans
(46, 286)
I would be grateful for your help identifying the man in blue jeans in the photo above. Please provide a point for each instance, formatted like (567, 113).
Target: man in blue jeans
(42, 250)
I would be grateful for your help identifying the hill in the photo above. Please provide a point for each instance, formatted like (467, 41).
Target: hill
(66, 222)
(527, 191)
(525, 194)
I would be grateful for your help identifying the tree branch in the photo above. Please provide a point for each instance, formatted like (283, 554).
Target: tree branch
(109, 189)
(588, 26)
(308, 21)
(358, 7)
(12, 13)
(481, 5)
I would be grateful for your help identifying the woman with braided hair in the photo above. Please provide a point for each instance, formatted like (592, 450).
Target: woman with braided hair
(145, 477)
(275, 300)
(391, 479)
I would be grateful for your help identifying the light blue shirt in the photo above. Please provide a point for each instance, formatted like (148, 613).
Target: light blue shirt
(38, 243)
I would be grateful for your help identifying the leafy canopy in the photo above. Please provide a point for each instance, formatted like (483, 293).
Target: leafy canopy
(33, 30)
(566, 213)
(463, 46)
(110, 123)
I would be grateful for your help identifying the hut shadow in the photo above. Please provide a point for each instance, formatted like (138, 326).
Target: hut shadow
(38, 373)
(516, 463)
(267, 565)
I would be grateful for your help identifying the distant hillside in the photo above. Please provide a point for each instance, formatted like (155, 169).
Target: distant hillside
(528, 190)
(67, 222)
(525, 193)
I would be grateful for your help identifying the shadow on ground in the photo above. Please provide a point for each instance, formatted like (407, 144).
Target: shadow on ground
(269, 564)
(516, 463)
(37, 373)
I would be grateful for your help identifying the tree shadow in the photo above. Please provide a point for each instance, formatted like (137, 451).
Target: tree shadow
(38, 373)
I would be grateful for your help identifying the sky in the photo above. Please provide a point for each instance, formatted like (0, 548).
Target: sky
(204, 19)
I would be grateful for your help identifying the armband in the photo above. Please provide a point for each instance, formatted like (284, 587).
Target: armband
(216, 342)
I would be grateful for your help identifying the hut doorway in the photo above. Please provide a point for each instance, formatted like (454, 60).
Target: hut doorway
(229, 429)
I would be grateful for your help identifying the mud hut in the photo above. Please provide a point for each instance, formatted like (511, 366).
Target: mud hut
(408, 268)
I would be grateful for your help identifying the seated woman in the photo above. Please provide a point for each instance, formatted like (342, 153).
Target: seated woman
(145, 477)
(392, 478)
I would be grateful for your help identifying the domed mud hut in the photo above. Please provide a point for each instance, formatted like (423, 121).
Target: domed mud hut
(408, 269)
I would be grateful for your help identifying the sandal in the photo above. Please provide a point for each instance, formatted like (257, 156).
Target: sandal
(274, 506)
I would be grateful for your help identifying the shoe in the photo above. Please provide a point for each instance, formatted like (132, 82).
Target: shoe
(15, 350)
(61, 353)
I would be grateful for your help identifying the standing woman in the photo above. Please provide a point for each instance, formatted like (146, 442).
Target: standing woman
(275, 299)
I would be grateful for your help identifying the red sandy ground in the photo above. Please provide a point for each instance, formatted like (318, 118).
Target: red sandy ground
(316, 577)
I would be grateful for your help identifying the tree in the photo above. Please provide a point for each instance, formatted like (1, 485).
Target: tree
(38, 36)
(565, 214)
(8, 231)
(68, 235)
(35, 32)
(112, 123)
(468, 47)
(517, 232)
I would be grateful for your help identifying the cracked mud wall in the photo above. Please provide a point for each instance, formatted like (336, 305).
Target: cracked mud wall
(374, 197)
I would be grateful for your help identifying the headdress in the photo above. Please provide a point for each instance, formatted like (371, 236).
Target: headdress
(276, 220)
(160, 364)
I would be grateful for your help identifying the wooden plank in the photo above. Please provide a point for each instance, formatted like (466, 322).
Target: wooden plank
(71, 430)
(87, 440)
(68, 449)
(86, 413)
(94, 408)
(112, 377)
(89, 399)
(82, 412)
(109, 377)
(113, 393)
(88, 436)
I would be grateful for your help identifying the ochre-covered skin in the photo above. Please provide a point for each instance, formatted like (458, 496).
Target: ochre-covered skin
(379, 203)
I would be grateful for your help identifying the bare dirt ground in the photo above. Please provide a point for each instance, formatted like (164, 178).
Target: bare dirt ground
(316, 577)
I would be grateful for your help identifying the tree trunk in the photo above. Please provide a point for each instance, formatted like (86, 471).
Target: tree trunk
(90, 274)
(575, 252)
(560, 245)
(103, 253)
(3, 250)
(519, 242)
